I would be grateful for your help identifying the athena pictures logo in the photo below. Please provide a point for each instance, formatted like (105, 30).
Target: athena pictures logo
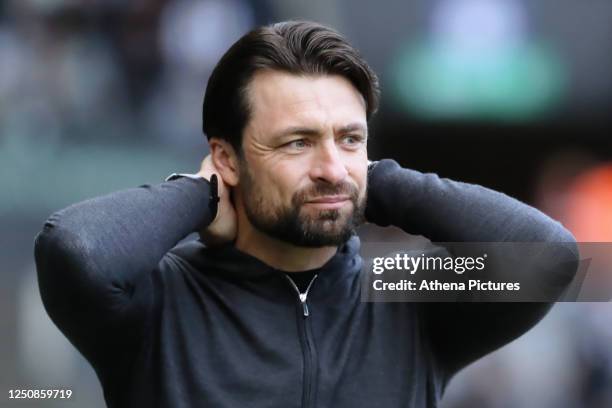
(475, 272)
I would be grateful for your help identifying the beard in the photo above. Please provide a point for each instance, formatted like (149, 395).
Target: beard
(327, 227)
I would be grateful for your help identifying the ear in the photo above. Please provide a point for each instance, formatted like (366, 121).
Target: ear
(225, 160)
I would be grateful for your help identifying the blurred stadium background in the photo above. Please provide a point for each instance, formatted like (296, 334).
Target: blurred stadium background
(516, 95)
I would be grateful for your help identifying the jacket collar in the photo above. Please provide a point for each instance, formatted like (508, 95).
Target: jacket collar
(228, 261)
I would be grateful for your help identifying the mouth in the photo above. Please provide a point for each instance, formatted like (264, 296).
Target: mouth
(329, 202)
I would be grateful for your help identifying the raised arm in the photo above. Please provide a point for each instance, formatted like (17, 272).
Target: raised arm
(443, 210)
(94, 259)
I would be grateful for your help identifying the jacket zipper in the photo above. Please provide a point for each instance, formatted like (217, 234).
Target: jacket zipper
(303, 296)
(310, 359)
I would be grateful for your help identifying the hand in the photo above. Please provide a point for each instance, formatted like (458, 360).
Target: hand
(223, 228)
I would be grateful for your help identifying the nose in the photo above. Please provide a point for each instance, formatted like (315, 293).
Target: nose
(328, 165)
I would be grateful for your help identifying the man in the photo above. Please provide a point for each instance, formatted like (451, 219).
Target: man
(264, 310)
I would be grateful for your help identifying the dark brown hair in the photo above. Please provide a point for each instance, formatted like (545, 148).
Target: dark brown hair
(297, 47)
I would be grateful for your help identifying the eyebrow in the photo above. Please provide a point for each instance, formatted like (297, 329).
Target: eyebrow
(306, 131)
(353, 127)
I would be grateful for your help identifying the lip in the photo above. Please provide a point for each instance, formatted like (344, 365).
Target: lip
(329, 202)
(329, 199)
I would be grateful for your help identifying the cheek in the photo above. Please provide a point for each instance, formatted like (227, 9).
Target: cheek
(288, 180)
(277, 186)
(360, 178)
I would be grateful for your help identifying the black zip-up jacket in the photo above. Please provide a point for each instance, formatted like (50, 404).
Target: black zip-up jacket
(189, 326)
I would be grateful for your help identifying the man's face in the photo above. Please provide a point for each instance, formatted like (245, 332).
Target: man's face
(303, 177)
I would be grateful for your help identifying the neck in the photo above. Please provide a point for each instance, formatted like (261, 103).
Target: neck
(279, 254)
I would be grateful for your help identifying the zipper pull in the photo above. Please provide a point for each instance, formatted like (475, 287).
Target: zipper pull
(304, 305)
(302, 296)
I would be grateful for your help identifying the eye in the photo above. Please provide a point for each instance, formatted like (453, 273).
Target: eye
(352, 140)
(297, 144)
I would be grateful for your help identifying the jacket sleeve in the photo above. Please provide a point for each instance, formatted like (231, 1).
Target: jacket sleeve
(444, 210)
(94, 259)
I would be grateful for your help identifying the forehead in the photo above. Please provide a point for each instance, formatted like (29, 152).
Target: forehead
(279, 99)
